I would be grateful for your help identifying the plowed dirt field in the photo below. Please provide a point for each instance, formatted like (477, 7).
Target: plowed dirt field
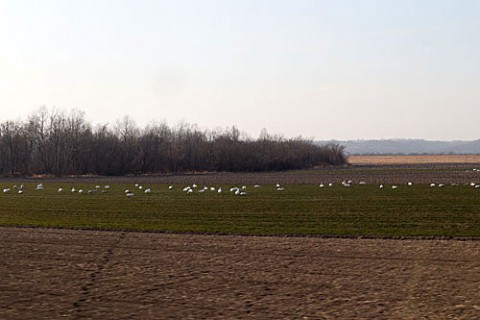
(62, 274)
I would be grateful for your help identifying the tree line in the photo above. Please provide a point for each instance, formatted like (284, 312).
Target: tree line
(60, 143)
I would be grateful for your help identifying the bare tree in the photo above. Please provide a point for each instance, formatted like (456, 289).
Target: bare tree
(53, 142)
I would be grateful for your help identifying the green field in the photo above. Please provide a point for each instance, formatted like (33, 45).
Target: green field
(361, 210)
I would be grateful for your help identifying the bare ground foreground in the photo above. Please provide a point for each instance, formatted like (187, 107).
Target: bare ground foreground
(59, 274)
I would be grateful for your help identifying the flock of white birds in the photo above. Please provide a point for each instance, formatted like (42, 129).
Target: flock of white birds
(238, 191)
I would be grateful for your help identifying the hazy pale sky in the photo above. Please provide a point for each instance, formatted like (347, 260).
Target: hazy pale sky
(324, 69)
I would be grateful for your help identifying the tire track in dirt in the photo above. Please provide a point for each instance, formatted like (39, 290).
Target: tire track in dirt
(81, 304)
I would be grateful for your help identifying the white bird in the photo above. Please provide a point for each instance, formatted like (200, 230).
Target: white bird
(189, 191)
(212, 188)
(130, 194)
(441, 185)
(80, 190)
(6, 190)
(219, 190)
(140, 187)
(201, 190)
(148, 190)
(97, 187)
(381, 186)
(243, 193)
(39, 186)
(60, 190)
(244, 187)
(432, 184)
(237, 192)
(409, 183)
(280, 189)
(20, 191)
(394, 187)
(187, 188)
(256, 186)
(127, 191)
(136, 185)
(170, 187)
(73, 189)
(194, 185)
(321, 185)
(107, 187)
(362, 183)
(330, 184)
(277, 185)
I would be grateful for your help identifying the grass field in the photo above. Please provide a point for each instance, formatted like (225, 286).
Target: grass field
(360, 210)
(413, 159)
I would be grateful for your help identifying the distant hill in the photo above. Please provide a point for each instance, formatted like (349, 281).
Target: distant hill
(408, 146)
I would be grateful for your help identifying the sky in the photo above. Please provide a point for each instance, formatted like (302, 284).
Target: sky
(324, 69)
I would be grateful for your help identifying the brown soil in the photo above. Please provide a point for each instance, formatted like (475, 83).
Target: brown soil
(460, 173)
(61, 274)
